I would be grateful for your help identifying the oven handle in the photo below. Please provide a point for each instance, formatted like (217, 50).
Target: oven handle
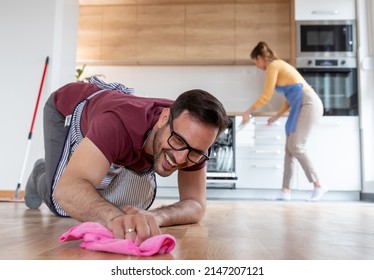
(325, 70)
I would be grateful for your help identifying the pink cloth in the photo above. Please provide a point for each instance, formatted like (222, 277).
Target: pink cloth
(98, 238)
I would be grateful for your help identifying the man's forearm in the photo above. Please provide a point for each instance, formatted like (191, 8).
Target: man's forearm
(183, 212)
(83, 203)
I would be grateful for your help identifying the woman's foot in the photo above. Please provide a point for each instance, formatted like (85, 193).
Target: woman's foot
(282, 196)
(317, 194)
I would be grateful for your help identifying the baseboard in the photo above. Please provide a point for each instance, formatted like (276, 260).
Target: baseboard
(369, 197)
(10, 194)
(259, 194)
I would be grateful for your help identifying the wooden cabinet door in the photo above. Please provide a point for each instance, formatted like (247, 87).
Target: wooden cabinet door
(89, 33)
(210, 33)
(118, 39)
(269, 22)
(160, 34)
(182, 33)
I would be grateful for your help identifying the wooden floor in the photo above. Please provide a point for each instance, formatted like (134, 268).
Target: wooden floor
(230, 230)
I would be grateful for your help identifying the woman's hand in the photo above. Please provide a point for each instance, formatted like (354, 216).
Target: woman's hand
(246, 118)
(272, 120)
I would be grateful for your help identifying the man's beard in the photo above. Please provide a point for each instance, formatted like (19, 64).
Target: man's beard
(159, 157)
(158, 154)
(158, 167)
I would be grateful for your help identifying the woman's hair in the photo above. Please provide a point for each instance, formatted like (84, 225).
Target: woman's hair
(262, 49)
(202, 106)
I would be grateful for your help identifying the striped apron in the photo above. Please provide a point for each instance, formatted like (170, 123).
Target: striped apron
(120, 186)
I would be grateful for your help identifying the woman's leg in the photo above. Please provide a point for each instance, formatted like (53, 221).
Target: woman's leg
(311, 111)
(289, 168)
(288, 173)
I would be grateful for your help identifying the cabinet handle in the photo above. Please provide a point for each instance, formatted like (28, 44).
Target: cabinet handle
(325, 12)
(330, 124)
(277, 123)
(276, 166)
(267, 152)
(277, 137)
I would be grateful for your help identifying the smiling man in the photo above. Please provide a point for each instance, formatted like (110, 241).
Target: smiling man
(103, 146)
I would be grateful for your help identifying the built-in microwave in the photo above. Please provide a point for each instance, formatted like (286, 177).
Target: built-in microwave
(326, 38)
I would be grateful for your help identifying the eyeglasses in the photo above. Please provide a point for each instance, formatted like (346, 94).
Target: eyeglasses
(177, 143)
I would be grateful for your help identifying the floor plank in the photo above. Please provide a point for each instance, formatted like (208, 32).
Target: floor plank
(230, 230)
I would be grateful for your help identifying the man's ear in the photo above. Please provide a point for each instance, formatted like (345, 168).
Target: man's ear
(164, 117)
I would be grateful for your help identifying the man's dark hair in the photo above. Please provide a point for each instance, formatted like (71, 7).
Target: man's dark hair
(203, 106)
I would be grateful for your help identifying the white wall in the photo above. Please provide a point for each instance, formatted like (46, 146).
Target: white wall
(236, 86)
(30, 31)
(365, 9)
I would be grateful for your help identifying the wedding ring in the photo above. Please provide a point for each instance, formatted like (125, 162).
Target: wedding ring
(130, 230)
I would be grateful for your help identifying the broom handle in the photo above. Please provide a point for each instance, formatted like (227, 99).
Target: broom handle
(31, 129)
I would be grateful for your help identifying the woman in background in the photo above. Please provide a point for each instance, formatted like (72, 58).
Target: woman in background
(305, 109)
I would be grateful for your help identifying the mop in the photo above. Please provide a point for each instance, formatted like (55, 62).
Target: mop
(16, 197)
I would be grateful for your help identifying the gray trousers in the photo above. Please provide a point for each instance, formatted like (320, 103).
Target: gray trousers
(55, 134)
(311, 111)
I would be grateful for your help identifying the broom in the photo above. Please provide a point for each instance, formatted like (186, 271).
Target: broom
(16, 196)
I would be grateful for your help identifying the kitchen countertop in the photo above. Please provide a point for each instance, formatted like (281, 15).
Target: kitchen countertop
(256, 114)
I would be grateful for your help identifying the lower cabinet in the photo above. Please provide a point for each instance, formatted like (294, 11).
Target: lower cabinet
(259, 174)
(333, 146)
(260, 153)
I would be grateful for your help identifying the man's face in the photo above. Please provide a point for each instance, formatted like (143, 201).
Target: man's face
(190, 140)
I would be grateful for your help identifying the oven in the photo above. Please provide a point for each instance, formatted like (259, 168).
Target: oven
(326, 38)
(335, 81)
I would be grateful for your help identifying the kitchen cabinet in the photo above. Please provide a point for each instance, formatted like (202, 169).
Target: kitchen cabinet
(325, 10)
(210, 33)
(89, 37)
(159, 34)
(334, 148)
(260, 153)
(118, 25)
(262, 21)
(182, 33)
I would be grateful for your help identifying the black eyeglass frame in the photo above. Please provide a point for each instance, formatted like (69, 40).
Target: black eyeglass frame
(204, 157)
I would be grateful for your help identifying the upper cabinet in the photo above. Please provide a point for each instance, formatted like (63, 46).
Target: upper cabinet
(183, 32)
(325, 10)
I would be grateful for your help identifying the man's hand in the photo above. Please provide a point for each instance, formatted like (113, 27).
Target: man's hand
(136, 225)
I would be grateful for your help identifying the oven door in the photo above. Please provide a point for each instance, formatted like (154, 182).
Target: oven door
(337, 88)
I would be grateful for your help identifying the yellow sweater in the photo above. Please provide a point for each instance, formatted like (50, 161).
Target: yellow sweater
(279, 73)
